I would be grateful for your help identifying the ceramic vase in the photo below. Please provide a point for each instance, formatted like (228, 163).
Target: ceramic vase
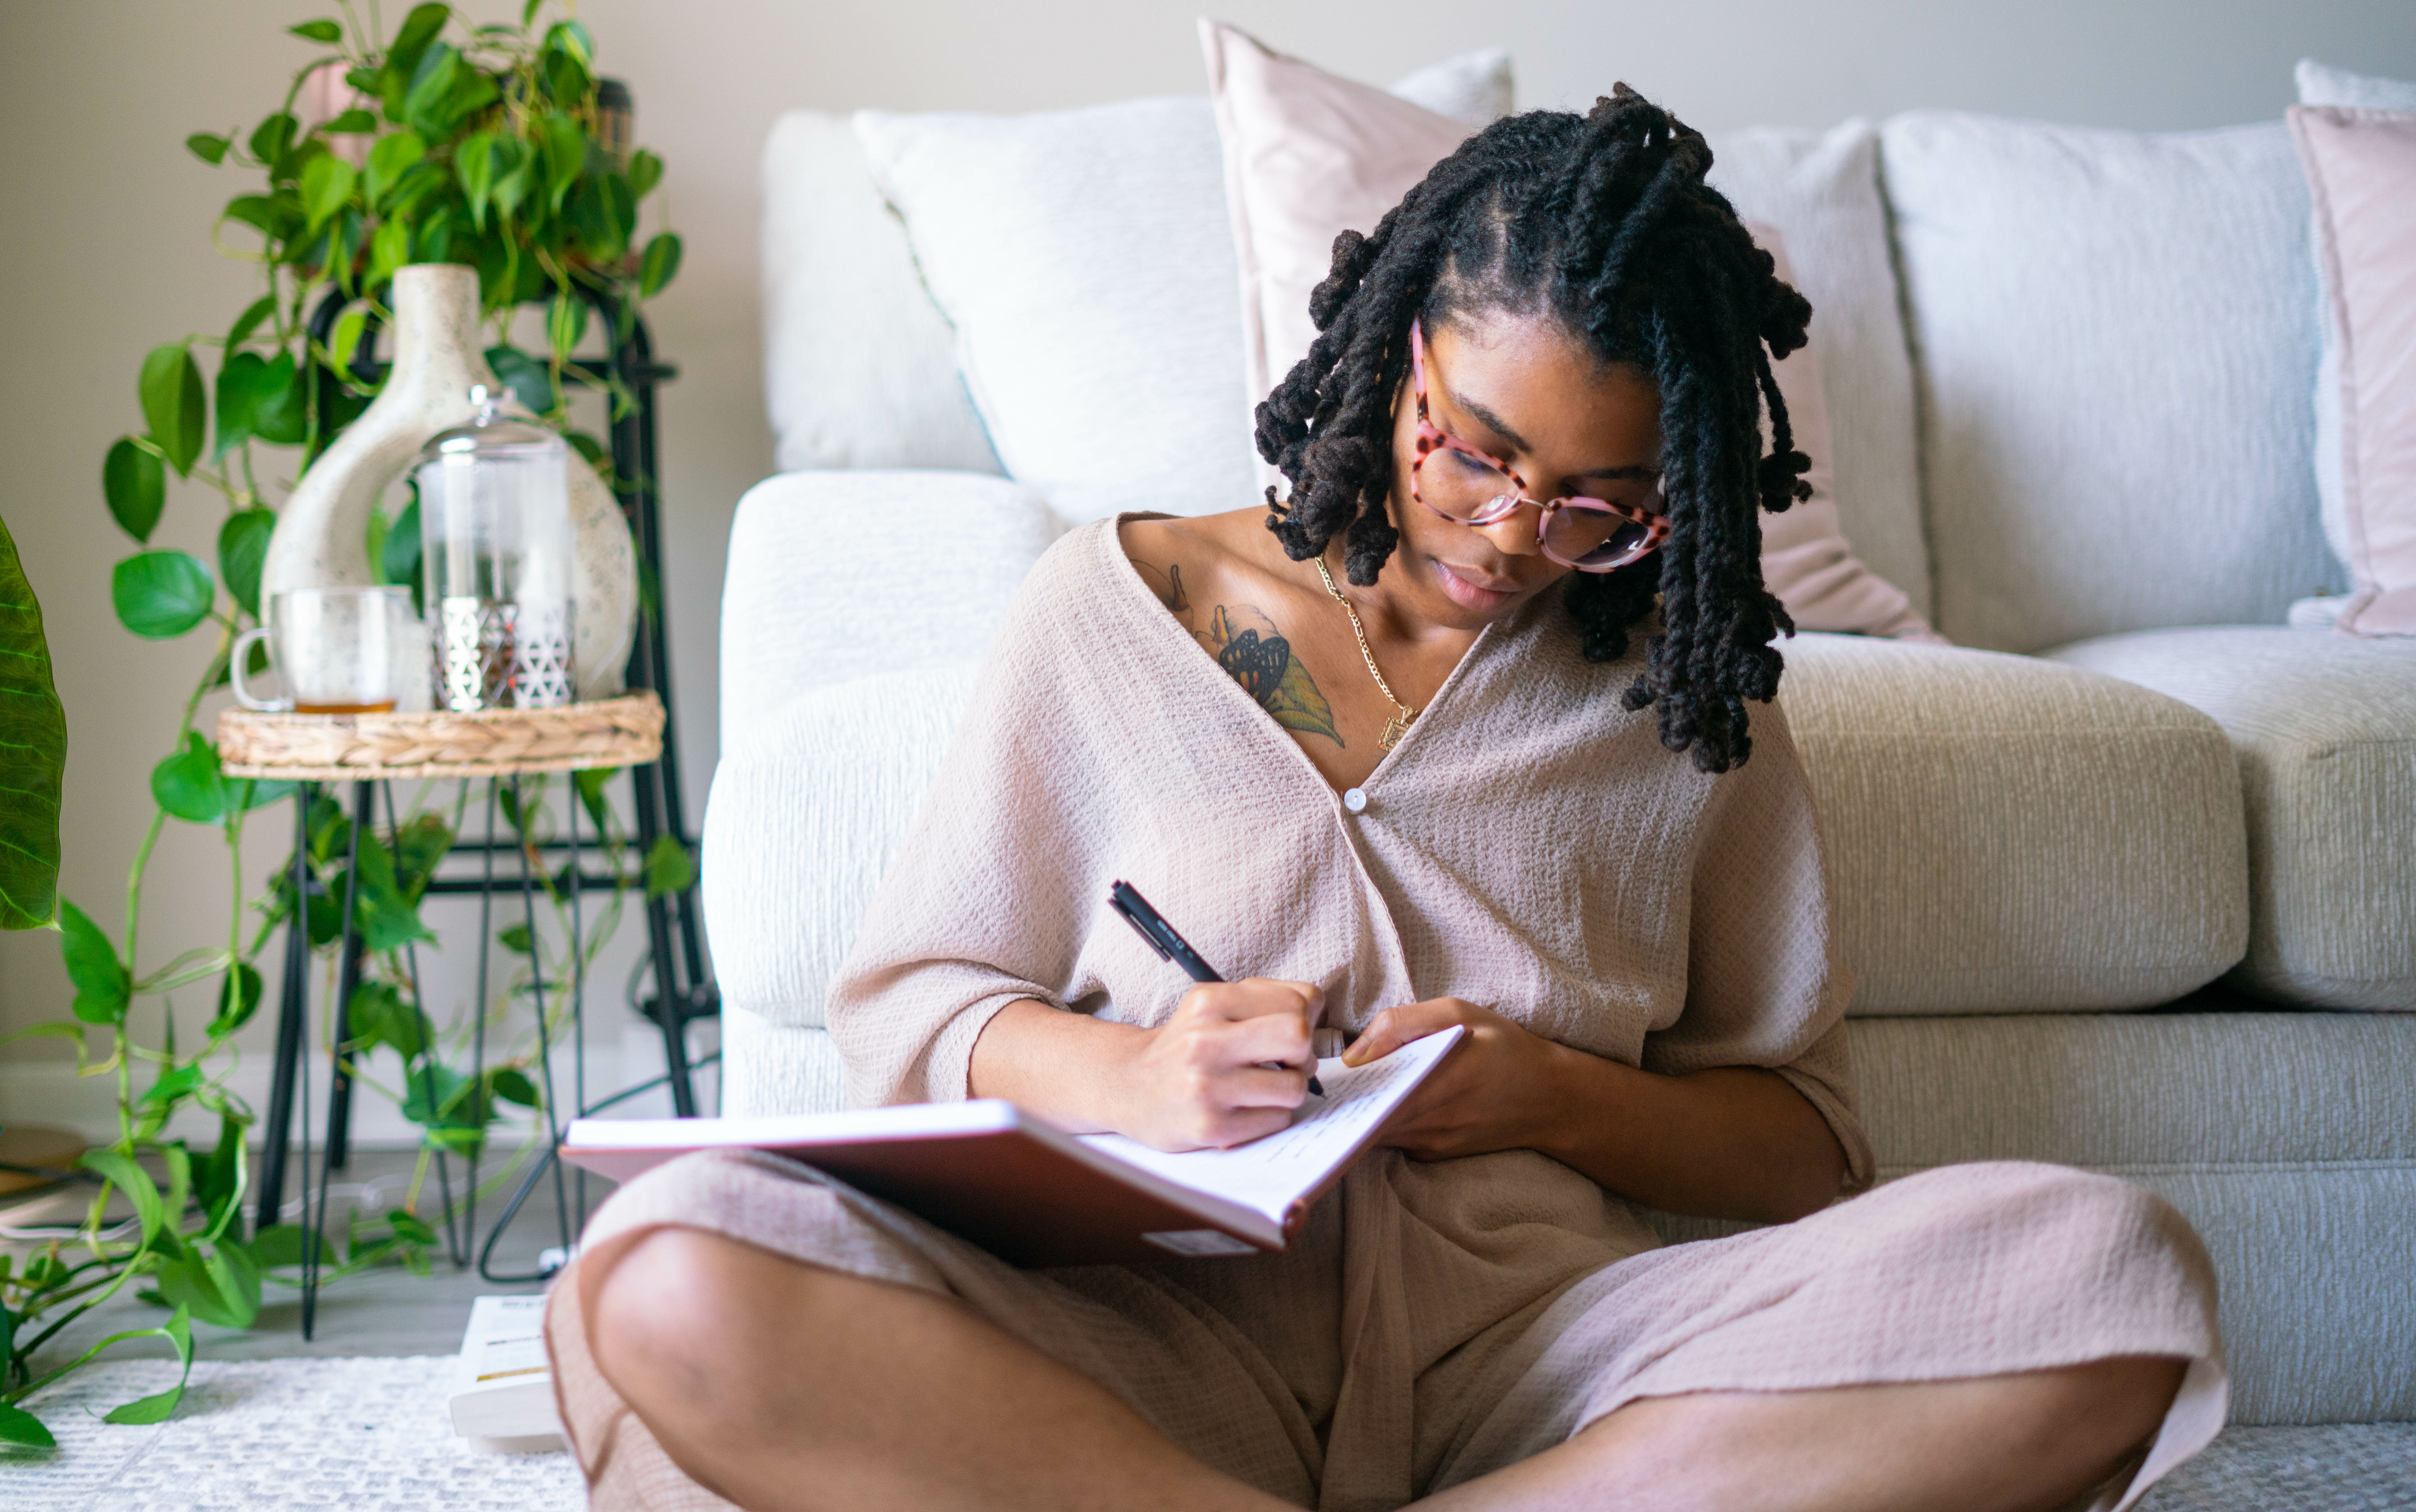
(321, 533)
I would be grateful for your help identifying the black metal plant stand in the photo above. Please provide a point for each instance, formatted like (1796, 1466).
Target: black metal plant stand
(683, 991)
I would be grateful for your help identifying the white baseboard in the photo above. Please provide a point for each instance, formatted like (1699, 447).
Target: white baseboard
(50, 1092)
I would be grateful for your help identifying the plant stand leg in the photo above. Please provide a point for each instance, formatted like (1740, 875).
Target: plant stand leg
(340, 1092)
(315, 1231)
(277, 1133)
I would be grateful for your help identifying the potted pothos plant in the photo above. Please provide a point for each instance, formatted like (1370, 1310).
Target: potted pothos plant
(450, 141)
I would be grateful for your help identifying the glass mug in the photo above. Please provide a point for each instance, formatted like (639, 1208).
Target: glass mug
(338, 650)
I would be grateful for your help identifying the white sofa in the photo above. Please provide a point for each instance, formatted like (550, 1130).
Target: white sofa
(2130, 883)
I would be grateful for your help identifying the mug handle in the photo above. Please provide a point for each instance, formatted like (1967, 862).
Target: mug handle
(243, 695)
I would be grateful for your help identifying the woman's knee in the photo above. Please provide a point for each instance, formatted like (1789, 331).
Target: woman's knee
(663, 1309)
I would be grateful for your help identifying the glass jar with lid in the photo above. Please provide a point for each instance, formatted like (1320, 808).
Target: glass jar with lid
(495, 554)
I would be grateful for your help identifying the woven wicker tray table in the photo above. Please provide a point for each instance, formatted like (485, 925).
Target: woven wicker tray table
(627, 731)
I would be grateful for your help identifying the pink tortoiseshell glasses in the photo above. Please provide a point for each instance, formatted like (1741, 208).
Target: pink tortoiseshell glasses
(1471, 487)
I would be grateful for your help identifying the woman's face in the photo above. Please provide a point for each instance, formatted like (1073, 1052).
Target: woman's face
(1519, 389)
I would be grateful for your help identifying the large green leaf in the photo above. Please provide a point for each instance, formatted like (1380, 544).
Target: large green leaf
(238, 998)
(161, 595)
(33, 753)
(208, 146)
(659, 264)
(238, 396)
(327, 184)
(530, 380)
(424, 103)
(135, 1182)
(388, 160)
(103, 986)
(644, 171)
(565, 155)
(270, 138)
(380, 1015)
(248, 321)
(278, 409)
(282, 1244)
(135, 485)
(174, 405)
(188, 783)
(218, 1283)
(242, 547)
(156, 1408)
(668, 867)
(18, 1425)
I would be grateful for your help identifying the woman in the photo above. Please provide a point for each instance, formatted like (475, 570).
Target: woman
(1529, 425)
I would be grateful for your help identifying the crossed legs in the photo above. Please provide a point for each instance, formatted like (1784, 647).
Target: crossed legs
(784, 1387)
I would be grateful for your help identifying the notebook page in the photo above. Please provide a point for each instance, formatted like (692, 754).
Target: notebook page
(1271, 1173)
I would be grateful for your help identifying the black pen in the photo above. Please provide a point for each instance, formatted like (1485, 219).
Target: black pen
(1151, 925)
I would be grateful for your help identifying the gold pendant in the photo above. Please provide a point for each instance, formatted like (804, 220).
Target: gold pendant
(1395, 728)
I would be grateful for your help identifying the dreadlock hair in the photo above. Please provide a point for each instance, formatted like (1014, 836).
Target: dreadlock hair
(1603, 223)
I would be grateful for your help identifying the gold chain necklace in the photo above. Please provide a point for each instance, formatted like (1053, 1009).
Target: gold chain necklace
(1399, 725)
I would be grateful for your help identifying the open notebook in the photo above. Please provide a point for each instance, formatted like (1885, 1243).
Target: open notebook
(1035, 1195)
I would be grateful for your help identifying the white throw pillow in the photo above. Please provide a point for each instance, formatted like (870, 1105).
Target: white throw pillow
(2115, 359)
(1084, 260)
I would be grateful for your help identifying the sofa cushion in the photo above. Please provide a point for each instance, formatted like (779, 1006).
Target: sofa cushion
(803, 821)
(2324, 726)
(842, 575)
(2116, 357)
(2008, 835)
(859, 365)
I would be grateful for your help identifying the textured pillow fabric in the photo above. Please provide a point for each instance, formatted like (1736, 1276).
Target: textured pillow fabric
(1308, 155)
(2115, 358)
(1083, 259)
(859, 365)
(2354, 137)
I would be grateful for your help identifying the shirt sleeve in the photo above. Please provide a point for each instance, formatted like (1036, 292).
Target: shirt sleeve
(1765, 985)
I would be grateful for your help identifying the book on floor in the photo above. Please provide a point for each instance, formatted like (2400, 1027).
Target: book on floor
(1035, 1195)
(502, 1394)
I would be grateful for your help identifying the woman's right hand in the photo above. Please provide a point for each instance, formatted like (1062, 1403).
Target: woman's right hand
(1231, 1064)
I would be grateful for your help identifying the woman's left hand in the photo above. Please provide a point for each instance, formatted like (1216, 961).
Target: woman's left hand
(1490, 1094)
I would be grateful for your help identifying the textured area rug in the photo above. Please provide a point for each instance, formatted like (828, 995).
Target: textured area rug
(371, 1435)
(366, 1436)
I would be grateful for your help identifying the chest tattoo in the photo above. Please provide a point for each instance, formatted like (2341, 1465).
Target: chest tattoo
(1252, 651)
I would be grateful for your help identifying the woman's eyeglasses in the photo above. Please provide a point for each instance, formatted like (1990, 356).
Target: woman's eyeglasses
(1471, 487)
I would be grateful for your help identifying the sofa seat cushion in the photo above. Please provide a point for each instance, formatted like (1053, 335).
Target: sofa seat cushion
(2325, 729)
(2007, 835)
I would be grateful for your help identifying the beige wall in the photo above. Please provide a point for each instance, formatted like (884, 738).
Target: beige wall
(109, 251)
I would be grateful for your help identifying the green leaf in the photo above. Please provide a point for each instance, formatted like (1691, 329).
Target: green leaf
(565, 155)
(255, 210)
(208, 146)
(399, 561)
(173, 405)
(669, 868)
(327, 184)
(423, 24)
(318, 31)
(136, 486)
(530, 380)
(103, 986)
(511, 1085)
(218, 1283)
(472, 90)
(378, 1015)
(170, 1086)
(33, 753)
(131, 1179)
(271, 137)
(277, 404)
(659, 264)
(238, 998)
(566, 321)
(160, 595)
(590, 785)
(419, 846)
(473, 164)
(353, 123)
(431, 83)
(280, 1245)
(238, 396)
(188, 784)
(18, 1425)
(644, 171)
(572, 40)
(389, 250)
(514, 938)
(248, 321)
(242, 547)
(222, 1176)
(155, 1409)
(528, 12)
(438, 1097)
(387, 162)
(408, 1227)
(512, 164)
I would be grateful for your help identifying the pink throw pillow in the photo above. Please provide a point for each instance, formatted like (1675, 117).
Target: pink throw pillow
(2361, 170)
(1309, 154)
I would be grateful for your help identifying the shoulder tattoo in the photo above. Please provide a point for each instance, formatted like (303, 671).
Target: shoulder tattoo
(1252, 651)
